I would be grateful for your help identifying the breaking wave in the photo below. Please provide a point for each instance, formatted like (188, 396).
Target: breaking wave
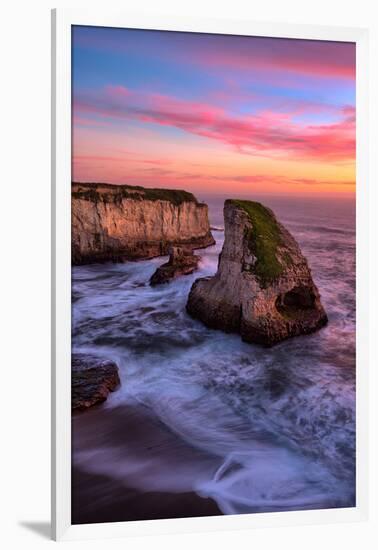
(278, 424)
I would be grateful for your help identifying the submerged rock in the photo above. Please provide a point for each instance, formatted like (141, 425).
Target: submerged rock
(92, 380)
(123, 222)
(263, 288)
(181, 262)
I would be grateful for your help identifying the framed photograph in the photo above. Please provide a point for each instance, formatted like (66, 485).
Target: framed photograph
(210, 195)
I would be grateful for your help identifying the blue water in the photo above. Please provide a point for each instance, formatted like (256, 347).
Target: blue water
(280, 422)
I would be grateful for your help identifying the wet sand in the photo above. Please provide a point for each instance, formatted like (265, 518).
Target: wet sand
(99, 499)
(123, 460)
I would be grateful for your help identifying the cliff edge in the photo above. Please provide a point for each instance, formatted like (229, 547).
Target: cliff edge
(123, 222)
(263, 288)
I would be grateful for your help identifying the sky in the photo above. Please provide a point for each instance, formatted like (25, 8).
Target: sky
(213, 113)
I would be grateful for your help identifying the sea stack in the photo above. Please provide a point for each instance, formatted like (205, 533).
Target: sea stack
(181, 262)
(122, 222)
(263, 288)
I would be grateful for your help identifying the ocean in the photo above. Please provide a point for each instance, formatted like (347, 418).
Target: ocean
(253, 429)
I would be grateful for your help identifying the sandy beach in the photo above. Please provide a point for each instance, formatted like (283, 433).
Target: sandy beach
(132, 493)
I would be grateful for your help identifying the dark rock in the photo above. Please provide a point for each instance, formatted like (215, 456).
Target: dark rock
(181, 262)
(92, 380)
(263, 288)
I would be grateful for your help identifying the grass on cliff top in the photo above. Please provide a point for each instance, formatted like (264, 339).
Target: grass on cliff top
(106, 192)
(264, 239)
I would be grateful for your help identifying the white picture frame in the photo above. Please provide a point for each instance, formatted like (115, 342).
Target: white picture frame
(62, 20)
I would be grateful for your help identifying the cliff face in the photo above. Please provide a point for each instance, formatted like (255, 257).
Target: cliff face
(113, 222)
(263, 288)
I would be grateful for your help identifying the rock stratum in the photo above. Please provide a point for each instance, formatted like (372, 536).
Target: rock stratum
(263, 288)
(122, 222)
(92, 380)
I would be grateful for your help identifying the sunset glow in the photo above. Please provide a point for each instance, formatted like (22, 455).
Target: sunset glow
(210, 113)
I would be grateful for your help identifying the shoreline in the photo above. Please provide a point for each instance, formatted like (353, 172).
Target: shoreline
(100, 499)
(118, 440)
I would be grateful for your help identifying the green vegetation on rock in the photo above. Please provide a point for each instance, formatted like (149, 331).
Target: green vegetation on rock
(264, 240)
(108, 193)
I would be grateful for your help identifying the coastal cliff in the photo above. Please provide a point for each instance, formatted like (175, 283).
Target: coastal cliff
(122, 222)
(263, 288)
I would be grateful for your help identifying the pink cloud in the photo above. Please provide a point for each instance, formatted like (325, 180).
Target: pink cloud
(299, 58)
(320, 58)
(267, 133)
(309, 61)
